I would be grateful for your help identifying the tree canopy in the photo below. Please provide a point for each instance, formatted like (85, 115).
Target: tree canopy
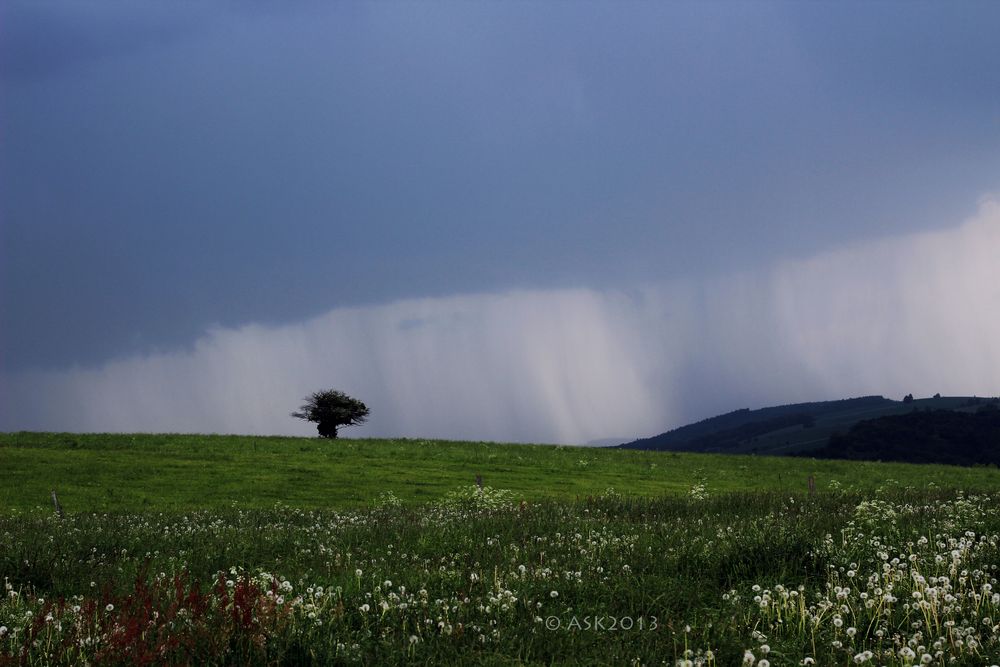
(330, 409)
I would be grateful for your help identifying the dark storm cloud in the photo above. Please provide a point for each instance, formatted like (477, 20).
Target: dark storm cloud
(918, 314)
(168, 169)
(40, 39)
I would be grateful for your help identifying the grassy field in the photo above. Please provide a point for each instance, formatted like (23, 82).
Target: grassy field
(217, 550)
(185, 472)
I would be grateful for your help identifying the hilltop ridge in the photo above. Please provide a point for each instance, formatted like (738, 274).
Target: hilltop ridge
(810, 428)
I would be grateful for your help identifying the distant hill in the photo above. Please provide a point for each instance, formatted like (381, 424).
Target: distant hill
(791, 429)
(922, 436)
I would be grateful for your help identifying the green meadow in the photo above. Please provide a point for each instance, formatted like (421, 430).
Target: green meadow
(141, 472)
(219, 550)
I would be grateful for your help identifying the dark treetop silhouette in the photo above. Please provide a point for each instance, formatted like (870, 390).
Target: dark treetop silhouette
(331, 409)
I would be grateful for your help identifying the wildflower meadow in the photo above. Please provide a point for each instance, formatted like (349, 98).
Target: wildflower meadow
(902, 574)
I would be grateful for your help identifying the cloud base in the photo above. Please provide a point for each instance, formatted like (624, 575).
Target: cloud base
(916, 314)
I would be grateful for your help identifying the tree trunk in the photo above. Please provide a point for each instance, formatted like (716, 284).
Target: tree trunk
(327, 430)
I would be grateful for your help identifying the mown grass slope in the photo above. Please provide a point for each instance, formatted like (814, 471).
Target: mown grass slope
(142, 472)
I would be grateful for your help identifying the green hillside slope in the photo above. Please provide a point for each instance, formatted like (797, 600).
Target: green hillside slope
(923, 436)
(790, 429)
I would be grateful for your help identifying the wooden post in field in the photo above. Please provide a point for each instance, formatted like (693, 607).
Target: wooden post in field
(812, 485)
(479, 482)
(55, 501)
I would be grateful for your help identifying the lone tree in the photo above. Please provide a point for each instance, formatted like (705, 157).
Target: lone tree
(331, 409)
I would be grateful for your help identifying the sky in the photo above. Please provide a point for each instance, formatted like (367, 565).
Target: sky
(524, 221)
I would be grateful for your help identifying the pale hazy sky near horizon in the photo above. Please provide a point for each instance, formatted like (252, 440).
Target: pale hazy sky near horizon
(537, 221)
